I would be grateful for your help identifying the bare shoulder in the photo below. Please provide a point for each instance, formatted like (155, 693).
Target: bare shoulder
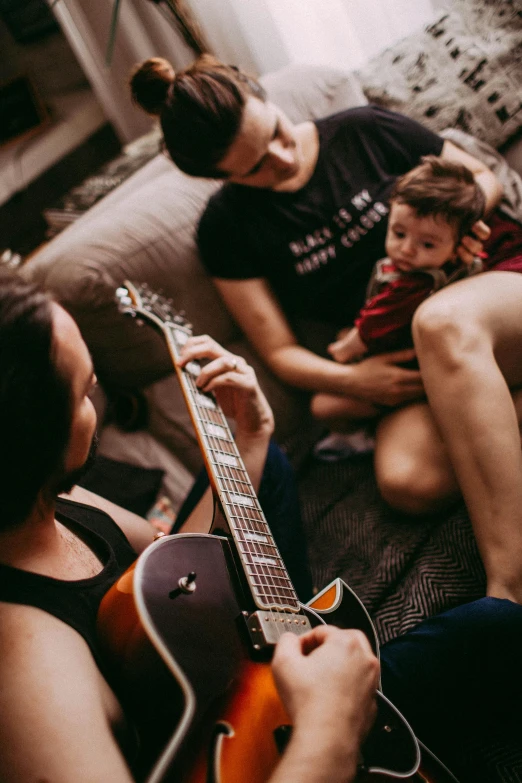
(138, 531)
(55, 706)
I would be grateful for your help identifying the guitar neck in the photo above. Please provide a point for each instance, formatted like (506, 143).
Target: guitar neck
(262, 563)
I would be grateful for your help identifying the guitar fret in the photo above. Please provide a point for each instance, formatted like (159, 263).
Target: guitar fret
(232, 475)
(234, 485)
(216, 430)
(268, 590)
(226, 459)
(254, 528)
(243, 515)
(272, 565)
(228, 446)
(275, 581)
(265, 549)
(204, 401)
(215, 421)
(258, 537)
(241, 500)
(260, 556)
(206, 414)
(263, 560)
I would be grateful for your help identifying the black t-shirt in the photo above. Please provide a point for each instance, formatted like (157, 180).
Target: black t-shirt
(317, 246)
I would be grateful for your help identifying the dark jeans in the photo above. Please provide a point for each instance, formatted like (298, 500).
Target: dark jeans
(456, 678)
(279, 501)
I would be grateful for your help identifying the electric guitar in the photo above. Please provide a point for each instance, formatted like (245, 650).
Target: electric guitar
(192, 625)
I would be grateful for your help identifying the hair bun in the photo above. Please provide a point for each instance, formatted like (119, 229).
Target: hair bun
(149, 83)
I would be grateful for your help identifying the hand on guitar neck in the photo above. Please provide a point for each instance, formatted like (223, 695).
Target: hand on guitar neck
(238, 393)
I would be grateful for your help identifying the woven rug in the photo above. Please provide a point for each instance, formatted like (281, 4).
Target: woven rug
(403, 569)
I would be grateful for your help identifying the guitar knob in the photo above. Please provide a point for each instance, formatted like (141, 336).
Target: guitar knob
(186, 584)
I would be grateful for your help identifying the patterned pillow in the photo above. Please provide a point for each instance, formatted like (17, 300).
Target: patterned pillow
(464, 70)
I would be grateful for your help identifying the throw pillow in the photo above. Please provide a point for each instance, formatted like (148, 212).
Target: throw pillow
(464, 70)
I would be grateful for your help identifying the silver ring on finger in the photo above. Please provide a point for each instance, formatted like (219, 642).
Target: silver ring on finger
(234, 364)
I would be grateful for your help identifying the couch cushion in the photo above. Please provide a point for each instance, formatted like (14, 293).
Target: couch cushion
(464, 70)
(310, 92)
(147, 237)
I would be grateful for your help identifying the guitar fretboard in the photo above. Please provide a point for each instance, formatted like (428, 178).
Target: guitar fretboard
(264, 568)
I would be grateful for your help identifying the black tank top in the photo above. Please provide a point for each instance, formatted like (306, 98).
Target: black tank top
(75, 602)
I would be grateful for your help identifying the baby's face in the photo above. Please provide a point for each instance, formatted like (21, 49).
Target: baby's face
(414, 242)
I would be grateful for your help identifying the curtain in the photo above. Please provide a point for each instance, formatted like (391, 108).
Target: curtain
(262, 35)
(142, 32)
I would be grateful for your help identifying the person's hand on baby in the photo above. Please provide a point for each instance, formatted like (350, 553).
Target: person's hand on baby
(472, 244)
(348, 346)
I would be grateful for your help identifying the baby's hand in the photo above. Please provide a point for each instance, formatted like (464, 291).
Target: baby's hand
(348, 346)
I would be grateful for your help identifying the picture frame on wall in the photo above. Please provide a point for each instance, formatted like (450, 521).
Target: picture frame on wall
(22, 113)
(28, 20)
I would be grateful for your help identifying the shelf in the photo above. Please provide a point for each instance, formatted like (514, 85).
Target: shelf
(76, 116)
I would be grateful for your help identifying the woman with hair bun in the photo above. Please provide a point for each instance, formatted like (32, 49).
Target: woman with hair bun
(294, 233)
(200, 109)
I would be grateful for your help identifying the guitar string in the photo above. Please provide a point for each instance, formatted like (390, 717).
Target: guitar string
(218, 449)
(163, 309)
(262, 577)
(251, 517)
(258, 577)
(248, 550)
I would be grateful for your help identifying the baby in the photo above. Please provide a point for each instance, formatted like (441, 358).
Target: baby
(431, 208)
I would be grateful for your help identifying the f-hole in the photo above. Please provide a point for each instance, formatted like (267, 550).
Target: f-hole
(220, 731)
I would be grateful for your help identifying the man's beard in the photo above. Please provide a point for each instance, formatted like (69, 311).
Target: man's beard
(67, 481)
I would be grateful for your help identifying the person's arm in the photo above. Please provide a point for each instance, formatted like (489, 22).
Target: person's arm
(376, 379)
(57, 714)
(327, 681)
(483, 175)
(471, 246)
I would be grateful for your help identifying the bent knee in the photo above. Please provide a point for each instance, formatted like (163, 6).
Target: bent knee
(412, 488)
(321, 407)
(443, 330)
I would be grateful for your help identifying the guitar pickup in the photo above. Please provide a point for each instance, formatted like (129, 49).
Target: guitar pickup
(265, 628)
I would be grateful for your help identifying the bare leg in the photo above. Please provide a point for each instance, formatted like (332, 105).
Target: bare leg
(469, 342)
(341, 411)
(412, 466)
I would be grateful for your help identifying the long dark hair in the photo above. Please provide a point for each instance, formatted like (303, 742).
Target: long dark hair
(200, 108)
(35, 400)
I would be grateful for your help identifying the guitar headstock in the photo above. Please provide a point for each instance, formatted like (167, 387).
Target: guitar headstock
(140, 302)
